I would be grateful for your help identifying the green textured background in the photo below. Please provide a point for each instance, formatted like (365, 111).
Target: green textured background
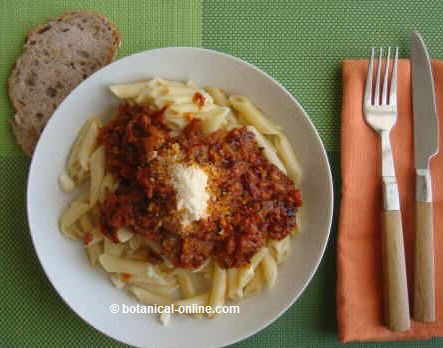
(300, 43)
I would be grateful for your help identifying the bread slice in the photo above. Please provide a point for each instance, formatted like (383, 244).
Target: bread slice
(57, 56)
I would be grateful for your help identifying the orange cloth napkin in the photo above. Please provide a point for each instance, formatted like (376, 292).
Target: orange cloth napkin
(359, 266)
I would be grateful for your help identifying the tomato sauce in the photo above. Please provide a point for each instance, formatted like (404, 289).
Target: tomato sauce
(252, 201)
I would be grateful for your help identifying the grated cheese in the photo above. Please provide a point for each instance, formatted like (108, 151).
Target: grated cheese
(192, 197)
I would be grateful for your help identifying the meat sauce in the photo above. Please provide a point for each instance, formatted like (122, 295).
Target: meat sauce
(252, 201)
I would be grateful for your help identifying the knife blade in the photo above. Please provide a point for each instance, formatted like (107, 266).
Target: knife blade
(425, 146)
(424, 105)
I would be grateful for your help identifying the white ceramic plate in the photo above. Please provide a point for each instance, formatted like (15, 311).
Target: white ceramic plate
(86, 290)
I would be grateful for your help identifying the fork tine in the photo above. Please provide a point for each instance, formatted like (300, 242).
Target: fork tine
(368, 89)
(384, 97)
(393, 94)
(377, 81)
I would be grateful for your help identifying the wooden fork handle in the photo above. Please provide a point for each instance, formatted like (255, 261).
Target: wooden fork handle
(424, 273)
(396, 291)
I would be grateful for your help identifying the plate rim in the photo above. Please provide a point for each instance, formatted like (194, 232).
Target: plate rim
(306, 118)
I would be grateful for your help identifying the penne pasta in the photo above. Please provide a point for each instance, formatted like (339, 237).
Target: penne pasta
(129, 90)
(187, 287)
(72, 232)
(73, 213)
(87, 145)
(163, 82)
(269, 268)
(180, 109)
(169, 100)
(246, 273)
(213, 120)
(218, 291)
(255, 285)
(175, 122)
(161, 290)
(280, 249)
(144, 278)
(66, 183)
(146, 96)
(114, 249)
(176, 91)
(218, 95)
(73, 156)
(252, 115)
(97, 165)
(117, 264)
(286, 153)
(149, 298)
(234, 291)
(85, 223)
(91, 234)
(94, 251)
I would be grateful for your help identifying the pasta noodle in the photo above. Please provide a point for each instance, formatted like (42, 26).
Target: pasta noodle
(148, 298)
(218, 95)
(255, 285)
(280, 249)
(217, 297)
(116, 264)
(72, 232)
(247, 273)
(94, 251)
(213, 120)
(113, 249)
(66, 183)
(186, 285)
(97, 164)
(234, 291)
(287, 154)
(73, 213)
(127, 91)
(253, 115)
(87, 145)
(269, 267)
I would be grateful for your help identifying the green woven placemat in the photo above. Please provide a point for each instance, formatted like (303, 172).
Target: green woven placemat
(300, 43)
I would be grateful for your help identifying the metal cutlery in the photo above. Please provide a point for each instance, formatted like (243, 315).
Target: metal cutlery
(380, 110)
(426, 145)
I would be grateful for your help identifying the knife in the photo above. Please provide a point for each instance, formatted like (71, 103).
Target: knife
(426, 146)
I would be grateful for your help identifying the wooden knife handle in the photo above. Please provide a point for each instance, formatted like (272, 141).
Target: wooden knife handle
(424, 273)
(396, 291)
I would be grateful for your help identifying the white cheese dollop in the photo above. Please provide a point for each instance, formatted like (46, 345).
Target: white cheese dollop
(190, 184)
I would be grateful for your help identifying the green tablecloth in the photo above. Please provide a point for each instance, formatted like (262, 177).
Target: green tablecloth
(300, 43)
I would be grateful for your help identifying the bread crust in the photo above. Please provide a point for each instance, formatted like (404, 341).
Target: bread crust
(27, 128)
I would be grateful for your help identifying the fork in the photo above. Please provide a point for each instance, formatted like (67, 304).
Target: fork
(380, 110)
